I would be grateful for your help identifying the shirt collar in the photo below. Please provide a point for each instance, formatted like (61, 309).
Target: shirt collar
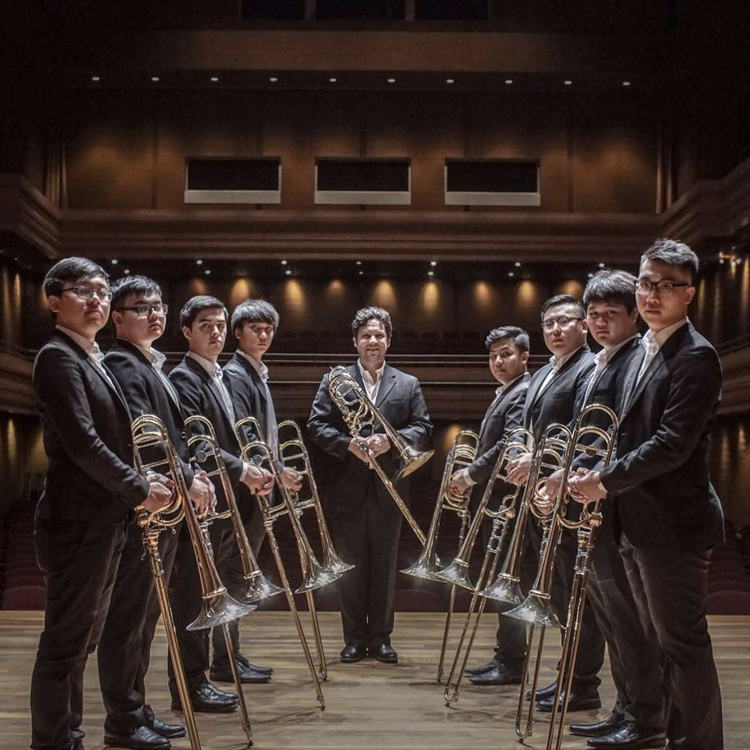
(367, 378)
(212, 368)
(502, 388)
(605, 355)
(258, 366)
(558, 363)
(90, 347)
(661, 337)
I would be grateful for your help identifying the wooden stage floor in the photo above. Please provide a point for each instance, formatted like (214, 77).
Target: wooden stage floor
(369, 705)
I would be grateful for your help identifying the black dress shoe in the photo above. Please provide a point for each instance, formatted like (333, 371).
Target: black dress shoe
(628, 737)
(384, 653)
(246, 672)
(207, 698)
(482, 668)
(500, 674)
(543, 692)
(351, 653)
(577, 702)
(142, 738)
(606, 725)
(244, 661)
(167, 730)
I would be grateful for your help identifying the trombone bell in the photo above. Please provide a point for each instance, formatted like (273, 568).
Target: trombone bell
(221, 610)
(504, 589)
(536, 609)
(456, 573)
(412, 460)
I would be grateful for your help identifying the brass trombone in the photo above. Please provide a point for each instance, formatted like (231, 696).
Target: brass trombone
(517, 441)
(359, 412)
(462, 453)
(313, 574)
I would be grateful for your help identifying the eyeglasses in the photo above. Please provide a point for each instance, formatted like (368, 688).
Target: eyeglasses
(644, 287)
(144, 311)
(87, 293)
(562, 321)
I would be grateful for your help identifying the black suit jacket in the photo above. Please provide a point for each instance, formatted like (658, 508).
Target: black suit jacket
(198, 396)
(660, 481)
(86, 437)
(556, 403)
(502, 416)
(146, 394)
(248, 392)
(401, 402)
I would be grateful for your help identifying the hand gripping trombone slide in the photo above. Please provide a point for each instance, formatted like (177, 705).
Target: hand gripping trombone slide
(518, 441)
(462, 453)
(314, 574)
(359, 412)
(207, 451)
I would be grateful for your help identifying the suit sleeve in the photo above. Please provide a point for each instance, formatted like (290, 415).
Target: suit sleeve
(694, 390)
(418, 433)
(481, 468)
(60, 387)
(321, 426)
(192, 403)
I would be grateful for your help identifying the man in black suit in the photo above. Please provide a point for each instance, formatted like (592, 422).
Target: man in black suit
(552, 398)
(365, 522)
(253, 324)
(508, 357)
(638, 714)
(665, 507)
(90, 492)
(199, 381)
(139, 315)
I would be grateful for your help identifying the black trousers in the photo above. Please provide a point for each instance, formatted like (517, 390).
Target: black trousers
(368, 539)
(187, 601)
(80, 560)
(669, 587)
(511, 634)
(125, 645)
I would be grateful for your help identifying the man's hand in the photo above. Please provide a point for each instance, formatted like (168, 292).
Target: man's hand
(458, 483)
(378, 444)
(202, 492)
(355, 448)
(585, 487)
(257, 480)
(291, 479)
(552, 485)
(159, 493)
(517, 470)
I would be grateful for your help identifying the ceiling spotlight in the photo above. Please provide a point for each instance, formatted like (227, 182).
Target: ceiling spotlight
(155, 79)
(361, 273)
(288, 272)
(95, 79)
(198, 262)
(430, 273)
(114, 261)
(590, 275)
(214, 79)
(508, 81)
(450, 80)
(391, 80)
(511, 274)
(517, 264)
(207, 272)
(359, 262)
(273, 79)
(568, 82)
(126, 271)
(601, 265)
(332, 80)
(283, 262)
(626, 83)
(433, 263)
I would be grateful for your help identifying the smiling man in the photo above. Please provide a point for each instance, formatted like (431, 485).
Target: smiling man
(664, 504)
(365, 522)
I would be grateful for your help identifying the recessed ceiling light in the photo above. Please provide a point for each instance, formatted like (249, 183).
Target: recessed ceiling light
(568, 82)
(450, 80)
(283, 262)
(601, 265)
(198, 262)
(155, 79)
(273, 79)
(359, 262)
(214, 79)
(361, 273)
(288, 271)
(208, 272)
(95, 79)
(126, 271)
(590, 275)
(511, 274)
(433, 263)
(430, 273)
(626, 83)
(114, 261)
(517, 264)
(391, 80)
(332, 80)
(508, 81)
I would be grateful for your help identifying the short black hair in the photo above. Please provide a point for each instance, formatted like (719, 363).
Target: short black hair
(613, 286)
(198, 304)
(366, 314)
(69, 270)
(562, 299)
(519, 336)
(673, 253)
(138, 286)
(255, 311)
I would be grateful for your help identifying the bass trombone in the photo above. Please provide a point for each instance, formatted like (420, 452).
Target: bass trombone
(359, 412)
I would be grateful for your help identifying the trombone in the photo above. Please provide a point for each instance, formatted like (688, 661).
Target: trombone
(462, 453)
(359, 412)
(150, 434)
(313, 574)
(518, 441)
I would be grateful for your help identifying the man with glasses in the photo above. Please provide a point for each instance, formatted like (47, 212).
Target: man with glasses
(665, 508)
(551, 399)
(90, 492)
(139, 316)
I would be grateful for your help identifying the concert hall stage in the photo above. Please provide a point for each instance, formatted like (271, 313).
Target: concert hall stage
(369, 706)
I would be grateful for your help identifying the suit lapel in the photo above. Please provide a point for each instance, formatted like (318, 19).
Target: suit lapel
(534, 387)
(218, 400)
(389, 380)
